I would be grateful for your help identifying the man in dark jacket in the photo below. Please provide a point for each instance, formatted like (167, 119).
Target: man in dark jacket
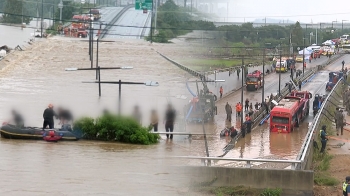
(48, 115)
(169, 121)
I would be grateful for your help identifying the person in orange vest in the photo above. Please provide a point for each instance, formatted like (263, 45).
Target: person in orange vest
(221, 91)
(238, 109)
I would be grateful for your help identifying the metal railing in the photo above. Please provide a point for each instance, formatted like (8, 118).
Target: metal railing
(300, 162)
(306, 146)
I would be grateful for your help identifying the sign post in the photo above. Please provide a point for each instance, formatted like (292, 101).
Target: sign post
(143, 4)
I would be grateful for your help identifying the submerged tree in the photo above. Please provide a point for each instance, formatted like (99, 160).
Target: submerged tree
(13, 12)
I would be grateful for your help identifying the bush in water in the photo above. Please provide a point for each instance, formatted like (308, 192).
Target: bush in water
(118, 128)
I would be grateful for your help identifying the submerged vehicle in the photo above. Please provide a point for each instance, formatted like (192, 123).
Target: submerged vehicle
(202, 107)
(290, 111)
(333, 79)
(254, 80)
(10, 131)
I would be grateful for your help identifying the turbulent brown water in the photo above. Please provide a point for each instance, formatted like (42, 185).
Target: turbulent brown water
(34, 78)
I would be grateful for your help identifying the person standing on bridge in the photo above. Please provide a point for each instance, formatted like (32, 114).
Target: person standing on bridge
(339, 120)
(238, 72)
(239, 109)
(228, 110)
(346, 187)
(324, 138)
(170, 116)
(221, 91)
(246, 105)
(154, 120)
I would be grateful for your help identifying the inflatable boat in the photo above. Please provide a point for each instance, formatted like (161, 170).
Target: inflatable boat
(35, 133)
(52, 136)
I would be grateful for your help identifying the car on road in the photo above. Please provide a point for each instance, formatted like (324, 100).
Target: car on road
(299, 59)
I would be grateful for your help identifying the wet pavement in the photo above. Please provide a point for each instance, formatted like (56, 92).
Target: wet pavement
(131, 25)
(260, 143)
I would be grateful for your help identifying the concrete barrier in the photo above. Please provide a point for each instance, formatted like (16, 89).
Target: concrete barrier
(292, 182)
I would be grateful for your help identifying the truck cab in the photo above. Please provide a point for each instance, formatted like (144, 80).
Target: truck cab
(333, 79)
(254, 80)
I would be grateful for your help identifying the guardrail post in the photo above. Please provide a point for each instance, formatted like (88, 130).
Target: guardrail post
(293, 166)
(248, 164)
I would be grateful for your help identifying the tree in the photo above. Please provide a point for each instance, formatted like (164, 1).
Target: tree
(297, 35)
(67, 11)
(13, 12)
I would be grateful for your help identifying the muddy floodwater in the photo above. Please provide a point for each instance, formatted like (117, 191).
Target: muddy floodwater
(32, 79)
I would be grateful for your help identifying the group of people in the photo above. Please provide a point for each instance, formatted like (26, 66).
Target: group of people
(49, 114)
(170, 117)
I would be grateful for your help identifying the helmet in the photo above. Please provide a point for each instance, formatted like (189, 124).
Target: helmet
(323, 127)
(347, 178)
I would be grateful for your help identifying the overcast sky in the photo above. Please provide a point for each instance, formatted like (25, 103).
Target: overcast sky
(296, 10)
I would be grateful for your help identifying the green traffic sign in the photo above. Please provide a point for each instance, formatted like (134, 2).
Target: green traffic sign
(143, 4)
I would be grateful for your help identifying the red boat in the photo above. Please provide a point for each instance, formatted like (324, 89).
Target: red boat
(51, 137)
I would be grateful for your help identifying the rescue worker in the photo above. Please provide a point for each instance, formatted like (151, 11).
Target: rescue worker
(343, 63)
(290, 87)
(137, 114)
(238, 109)
(340, 122)
(48, 115)
(299, 85)
(64, 116)
(243, 130)
(251, 112)
(170, 116)
(345, 97)
(256, 106)
(221, 91)
(248, 124)
(324, 138)
(17, 119)
(233, 132)
(346, 187)
(228, 110)
(154, 120)
(246, 105)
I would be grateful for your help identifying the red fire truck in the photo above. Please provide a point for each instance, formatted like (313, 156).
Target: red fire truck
(290, 111)
(254, 80)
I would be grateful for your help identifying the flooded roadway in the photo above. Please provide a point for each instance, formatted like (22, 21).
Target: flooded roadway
(260, 143)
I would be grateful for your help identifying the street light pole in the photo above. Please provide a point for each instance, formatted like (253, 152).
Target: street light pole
(60, 6)
(263, 87)
(332, 23)
(42, 17)
(303, 54)
(242, 90)
(342, 26)
(279, 74)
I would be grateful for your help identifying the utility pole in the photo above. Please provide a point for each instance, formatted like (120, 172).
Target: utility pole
(42, 17)
(152, 21)
(263, 83)
(279, 74)
(303, 54)
(243, 74)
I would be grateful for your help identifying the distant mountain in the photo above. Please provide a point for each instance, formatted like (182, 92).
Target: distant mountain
(272, 20)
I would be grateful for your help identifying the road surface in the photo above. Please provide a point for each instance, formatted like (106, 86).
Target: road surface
(130, 25)
(261, 144)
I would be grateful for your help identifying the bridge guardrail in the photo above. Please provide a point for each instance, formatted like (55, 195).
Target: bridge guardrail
(327, 105)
